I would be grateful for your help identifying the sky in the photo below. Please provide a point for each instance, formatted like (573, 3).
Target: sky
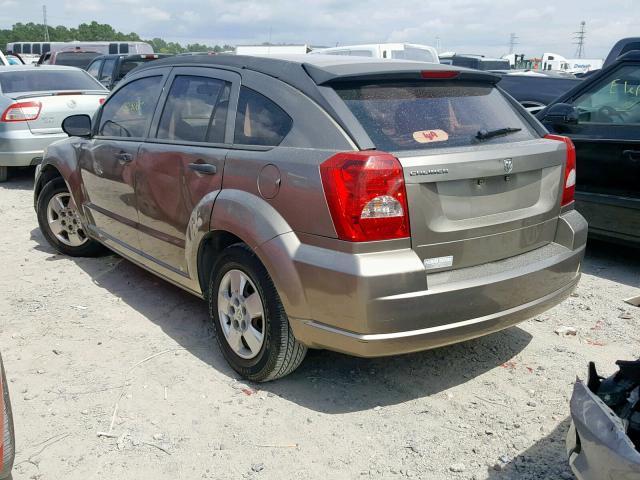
(463, 26)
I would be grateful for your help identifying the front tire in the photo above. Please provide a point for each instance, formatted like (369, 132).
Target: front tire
(252, 328)
(60, 222)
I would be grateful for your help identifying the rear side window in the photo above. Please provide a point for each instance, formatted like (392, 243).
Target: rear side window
(17, 48)
(416, 116)
(260, 121)
(94, 68)
(196, 110)
(41, 80)
(26, 48)
(107, 70)
(36, 49)
(128, 112)
(124, 48)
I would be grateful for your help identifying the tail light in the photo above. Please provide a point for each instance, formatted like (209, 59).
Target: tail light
(366, 195)
(569, 189)
(22, 112)
(101, 101)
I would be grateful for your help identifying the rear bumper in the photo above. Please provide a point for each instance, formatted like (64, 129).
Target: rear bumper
(384, 303)
(20, 148)
(597, 445)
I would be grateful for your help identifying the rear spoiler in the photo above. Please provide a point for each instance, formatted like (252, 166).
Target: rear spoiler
(363, 72)
(20, 96)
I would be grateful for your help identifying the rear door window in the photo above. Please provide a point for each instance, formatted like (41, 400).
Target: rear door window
(195, 110)
(128, 112)
(411, 116)
(107, 70)
(260, 121)
(94, 68)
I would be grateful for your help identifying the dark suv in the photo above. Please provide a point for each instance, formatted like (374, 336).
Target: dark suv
(367, 206)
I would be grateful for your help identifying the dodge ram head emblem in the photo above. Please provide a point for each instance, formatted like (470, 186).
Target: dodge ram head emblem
(508, 165)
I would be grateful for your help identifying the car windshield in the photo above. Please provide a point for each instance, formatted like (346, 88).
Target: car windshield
(44, 80)
(411, 116)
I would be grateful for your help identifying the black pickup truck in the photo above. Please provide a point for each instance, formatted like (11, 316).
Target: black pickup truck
(602, 117)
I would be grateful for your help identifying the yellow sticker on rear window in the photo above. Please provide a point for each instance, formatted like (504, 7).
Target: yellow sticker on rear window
(428, 136)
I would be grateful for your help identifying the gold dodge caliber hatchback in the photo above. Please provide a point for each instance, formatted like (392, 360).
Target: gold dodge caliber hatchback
(366, 206)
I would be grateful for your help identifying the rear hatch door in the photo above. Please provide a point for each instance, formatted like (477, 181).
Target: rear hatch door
(482, 185)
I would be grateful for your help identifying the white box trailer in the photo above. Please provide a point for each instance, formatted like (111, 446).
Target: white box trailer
(272, 49)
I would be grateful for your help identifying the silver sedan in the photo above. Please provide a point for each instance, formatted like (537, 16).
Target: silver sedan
(33, 103)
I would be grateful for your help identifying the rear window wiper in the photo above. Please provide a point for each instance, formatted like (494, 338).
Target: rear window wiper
(486, 134)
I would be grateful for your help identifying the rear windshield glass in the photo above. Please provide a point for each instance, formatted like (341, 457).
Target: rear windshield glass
(129, 65)
(76, 59)
(41, 80)
(425, 116)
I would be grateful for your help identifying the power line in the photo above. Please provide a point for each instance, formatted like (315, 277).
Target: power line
(580, 37)
(512, 42)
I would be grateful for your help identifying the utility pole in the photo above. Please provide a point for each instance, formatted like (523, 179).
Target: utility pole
(512, 42)
(46, 28)
(580, 36)
(438, 43)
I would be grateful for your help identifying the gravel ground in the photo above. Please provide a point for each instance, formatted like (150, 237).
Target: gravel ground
(80, 336)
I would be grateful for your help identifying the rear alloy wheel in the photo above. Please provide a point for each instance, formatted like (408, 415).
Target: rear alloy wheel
(252, 328)
(60, 222)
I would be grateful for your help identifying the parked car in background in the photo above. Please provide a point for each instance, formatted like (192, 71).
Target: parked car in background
(602, 117)
(7, 437)
(70, 58)
(397, 51)
(477, 62)
(34, 101)
(603, 441)
(110, 69)
(34, 50)
(372, 207)
(536, 90)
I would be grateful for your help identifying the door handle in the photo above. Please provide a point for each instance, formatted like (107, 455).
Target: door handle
(632, 154)
(124, 157)
(204, 168)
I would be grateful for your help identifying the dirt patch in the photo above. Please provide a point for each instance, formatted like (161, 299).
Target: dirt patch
(71, 331)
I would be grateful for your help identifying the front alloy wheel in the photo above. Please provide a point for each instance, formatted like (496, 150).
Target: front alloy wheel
(60, 223)
(64, 220)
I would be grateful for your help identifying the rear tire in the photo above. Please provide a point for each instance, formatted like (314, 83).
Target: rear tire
(85, 246)
(4, 174)
(235, 313)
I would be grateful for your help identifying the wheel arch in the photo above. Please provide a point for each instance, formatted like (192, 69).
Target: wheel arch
(241, 217)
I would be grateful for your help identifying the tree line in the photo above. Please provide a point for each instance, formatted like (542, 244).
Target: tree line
(92, 32)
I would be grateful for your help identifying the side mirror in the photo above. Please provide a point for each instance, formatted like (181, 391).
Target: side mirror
(77, 126)
(560, 114)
